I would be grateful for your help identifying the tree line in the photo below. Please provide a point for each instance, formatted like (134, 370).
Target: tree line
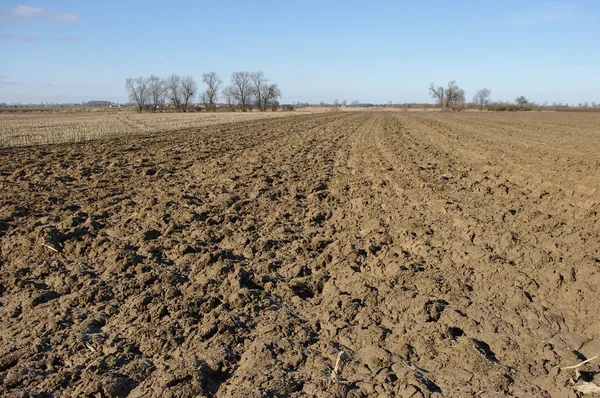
(452, 97)
(247, 90)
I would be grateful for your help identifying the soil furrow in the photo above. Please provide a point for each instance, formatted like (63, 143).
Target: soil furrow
(442, 254)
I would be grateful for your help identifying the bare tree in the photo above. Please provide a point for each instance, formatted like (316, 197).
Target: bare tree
(163, 96)
(454, 95)
(138, 91)
(258, 81)
(210, 95)
(449, 97)
(173, 87)
(482, 98)
(241, 89)
(229, 95)
(158, 91)
(437, 93)
(521, 100)
(205, 100)
(270, 93)
(189, 88)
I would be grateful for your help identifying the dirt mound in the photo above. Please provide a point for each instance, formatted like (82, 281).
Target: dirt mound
(443, 255)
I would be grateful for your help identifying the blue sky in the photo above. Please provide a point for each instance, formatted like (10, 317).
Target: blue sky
(375, 51)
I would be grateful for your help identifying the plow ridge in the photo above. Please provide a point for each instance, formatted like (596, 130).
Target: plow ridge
(345, 254)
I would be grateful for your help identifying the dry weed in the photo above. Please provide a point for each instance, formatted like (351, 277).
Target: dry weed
(585, 387)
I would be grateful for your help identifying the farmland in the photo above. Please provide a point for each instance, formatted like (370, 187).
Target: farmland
(437, 254)
(22, 129)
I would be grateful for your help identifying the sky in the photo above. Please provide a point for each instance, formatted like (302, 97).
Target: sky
(371, 51)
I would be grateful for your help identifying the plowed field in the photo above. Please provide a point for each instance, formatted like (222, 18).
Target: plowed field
(436, 254)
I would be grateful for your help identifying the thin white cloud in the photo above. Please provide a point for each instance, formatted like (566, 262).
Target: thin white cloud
(29, 39)
(24, 12)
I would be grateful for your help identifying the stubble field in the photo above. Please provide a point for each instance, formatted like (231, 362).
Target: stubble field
(442, 254)
(24, 129)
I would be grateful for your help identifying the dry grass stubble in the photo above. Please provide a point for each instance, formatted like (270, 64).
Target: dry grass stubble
(52, 128)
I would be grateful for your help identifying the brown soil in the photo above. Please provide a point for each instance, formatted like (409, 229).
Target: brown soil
(446, 254)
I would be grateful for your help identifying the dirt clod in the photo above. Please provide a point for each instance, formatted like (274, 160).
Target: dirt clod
(444, 255)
